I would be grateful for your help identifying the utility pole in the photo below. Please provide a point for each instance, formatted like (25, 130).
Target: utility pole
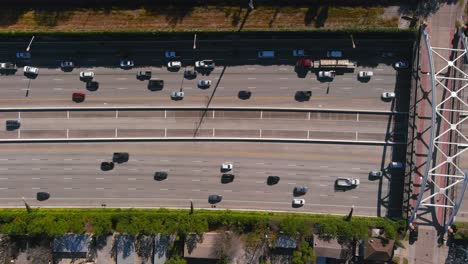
(352, 41)
(195, 41)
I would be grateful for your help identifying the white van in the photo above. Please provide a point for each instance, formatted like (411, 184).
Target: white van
(266, 54)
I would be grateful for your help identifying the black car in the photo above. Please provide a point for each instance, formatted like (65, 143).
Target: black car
(143, 75)
(42, 196)
(160, 176)
(303, 96)
(120, 157)
(244, 94)
(107, 166)
(67, 66)
(12, 125)
(272, 180)
(300, 190)
(190, 74)
(215, 198)
(92, 86)
(155, 84)
(227, 178)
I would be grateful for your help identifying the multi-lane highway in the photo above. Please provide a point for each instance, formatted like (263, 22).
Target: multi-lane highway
(346, 110)
(72, 174)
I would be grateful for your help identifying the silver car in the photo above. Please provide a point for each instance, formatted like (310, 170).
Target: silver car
(30, 70)
(204, 83)
(177, 95)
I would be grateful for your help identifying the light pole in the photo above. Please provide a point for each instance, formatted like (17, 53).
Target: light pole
(352, 41)
(28, 208)
(195, 41)
(29, 45)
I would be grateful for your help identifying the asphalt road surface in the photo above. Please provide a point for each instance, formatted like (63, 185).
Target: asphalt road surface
(71, 173)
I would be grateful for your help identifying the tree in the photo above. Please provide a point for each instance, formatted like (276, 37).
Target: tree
(304, 254)
(176, 260)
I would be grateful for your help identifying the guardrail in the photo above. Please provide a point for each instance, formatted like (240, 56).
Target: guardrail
(200, 139)
(201, 108)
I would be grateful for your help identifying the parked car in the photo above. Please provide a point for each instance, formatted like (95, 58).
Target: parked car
(23, 55)
(334, 54)
(204, 83)
(67, 65)
(143, 75)
(401, 65)
(396, 165)
(272, 180)
(86, 75)
(107, 166)
(78, 97)
(177, 95)
(298, 53)
(326, 74)
(160, 175)
(225, 167)
(190, 74)
(244, 94)
(365, 74)
(126, 64)
(30, 70)
(42, 196)
(174, 65)
(12, 125)
(298, 202)
(170, 54)
(376, 174)
(388, 95)
(227, 178)
(300, 190)
(215, 198)
(120, 157)
(205, 64)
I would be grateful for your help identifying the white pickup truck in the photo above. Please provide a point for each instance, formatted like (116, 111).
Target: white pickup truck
(345, 183)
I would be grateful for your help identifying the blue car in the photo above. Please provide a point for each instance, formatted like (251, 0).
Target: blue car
(23, 55)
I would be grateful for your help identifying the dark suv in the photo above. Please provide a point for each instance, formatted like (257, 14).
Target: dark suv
(120, 157)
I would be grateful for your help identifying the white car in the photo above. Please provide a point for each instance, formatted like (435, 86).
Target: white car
(298, 202)
(170, 54)
(205, 64)
(365, 74)
(326, 74)
(174, 65)
(88, 75)
(177, 95)
(388, 95)
(298, 53)
(204, 83)
(30, 70)
(226, 167)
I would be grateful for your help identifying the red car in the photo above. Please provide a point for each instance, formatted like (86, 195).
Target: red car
(78, 97)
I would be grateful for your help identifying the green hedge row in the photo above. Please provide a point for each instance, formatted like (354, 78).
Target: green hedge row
(389, 33)
(152, 221)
